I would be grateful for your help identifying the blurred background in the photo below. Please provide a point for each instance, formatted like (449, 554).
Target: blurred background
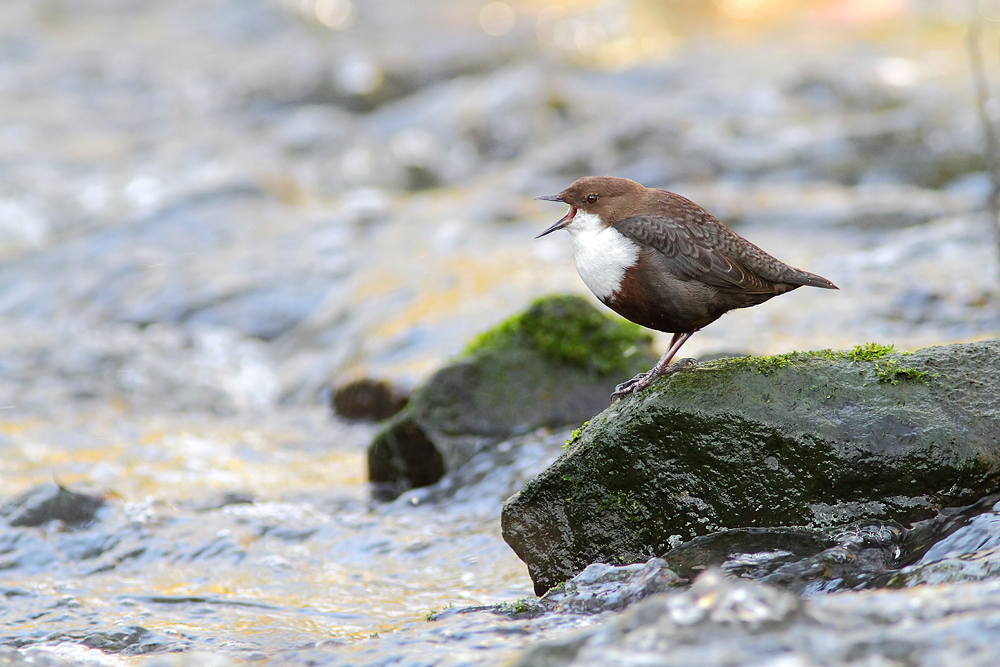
(230, 204)
(212, 211)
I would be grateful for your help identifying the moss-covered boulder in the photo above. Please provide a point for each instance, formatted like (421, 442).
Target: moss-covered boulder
(555, 364)
(803, 439)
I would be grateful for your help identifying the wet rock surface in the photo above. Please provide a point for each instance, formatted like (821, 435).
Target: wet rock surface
(795, 440)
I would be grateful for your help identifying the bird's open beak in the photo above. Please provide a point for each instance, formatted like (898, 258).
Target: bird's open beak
(563, 222)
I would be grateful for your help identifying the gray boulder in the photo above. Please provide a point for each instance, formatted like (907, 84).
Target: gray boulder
(553, 365)
(803, 439)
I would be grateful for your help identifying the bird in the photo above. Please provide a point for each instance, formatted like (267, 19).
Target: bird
(665, 263)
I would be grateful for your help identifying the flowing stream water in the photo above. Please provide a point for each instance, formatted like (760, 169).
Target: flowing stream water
(212, 212)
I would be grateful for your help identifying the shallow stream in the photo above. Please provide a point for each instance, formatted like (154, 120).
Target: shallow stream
(212, 212)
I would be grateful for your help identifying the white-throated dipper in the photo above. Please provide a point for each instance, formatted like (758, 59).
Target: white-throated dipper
(662, 261)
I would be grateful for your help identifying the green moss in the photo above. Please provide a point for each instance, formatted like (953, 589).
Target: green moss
(568, 329)
(888, 370)
(771, 364)
(524, 606)
(868, 352)
(626, 502)
(891, 372)
(575, 435)
(884, 360)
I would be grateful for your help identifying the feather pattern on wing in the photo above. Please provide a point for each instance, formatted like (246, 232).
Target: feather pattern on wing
(693, 250)
(699, 247)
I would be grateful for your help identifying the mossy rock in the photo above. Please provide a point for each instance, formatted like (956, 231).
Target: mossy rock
(805, 439)
(554, 365)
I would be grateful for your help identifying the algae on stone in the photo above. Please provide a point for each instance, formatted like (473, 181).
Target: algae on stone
(568, 330)
(885, 362)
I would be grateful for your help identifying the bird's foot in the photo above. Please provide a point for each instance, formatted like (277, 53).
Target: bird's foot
(638, 383)
(643, 380)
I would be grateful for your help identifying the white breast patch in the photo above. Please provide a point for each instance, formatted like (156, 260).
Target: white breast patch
(602, 254)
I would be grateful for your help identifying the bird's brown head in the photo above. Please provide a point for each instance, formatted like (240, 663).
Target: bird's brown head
(612, 199)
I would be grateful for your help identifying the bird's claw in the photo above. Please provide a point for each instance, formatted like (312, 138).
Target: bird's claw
(633, 385)
(643, 380)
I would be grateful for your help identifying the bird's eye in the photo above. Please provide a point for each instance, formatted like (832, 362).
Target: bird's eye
(591, 199)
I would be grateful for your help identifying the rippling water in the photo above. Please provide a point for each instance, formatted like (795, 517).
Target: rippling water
(185, 550)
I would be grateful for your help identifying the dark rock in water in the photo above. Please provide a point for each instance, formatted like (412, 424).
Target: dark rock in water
(861, 554)
(369, 399)
(553, 365)
(402, 456)
(51, 502)
(861, 551)
(752, 553)
(803, 439)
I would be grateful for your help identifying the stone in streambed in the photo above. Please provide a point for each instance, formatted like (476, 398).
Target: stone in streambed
(51, 502)
(817, 438)
(553, 365)
(368, 399)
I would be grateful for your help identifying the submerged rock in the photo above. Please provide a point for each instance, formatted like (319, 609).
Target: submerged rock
(803, 439)
(553, 365)
(858, 555)
(51, 502)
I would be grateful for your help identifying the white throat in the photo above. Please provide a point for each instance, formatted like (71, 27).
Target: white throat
(602, 254)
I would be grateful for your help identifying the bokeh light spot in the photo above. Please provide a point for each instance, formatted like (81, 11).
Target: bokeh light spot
(497, 19)
(900, 72)
(359, 75)
(336, 14)
(741, 9)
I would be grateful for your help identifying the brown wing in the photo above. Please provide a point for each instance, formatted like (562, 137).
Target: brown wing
(692, 249)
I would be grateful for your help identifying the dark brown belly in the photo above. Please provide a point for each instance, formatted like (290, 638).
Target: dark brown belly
(662, 302)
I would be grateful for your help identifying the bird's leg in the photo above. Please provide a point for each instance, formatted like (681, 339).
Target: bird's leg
(662, 367)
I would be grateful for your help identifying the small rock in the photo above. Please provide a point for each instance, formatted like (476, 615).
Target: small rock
(369, 399)
(51, 502)
(402, 457)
